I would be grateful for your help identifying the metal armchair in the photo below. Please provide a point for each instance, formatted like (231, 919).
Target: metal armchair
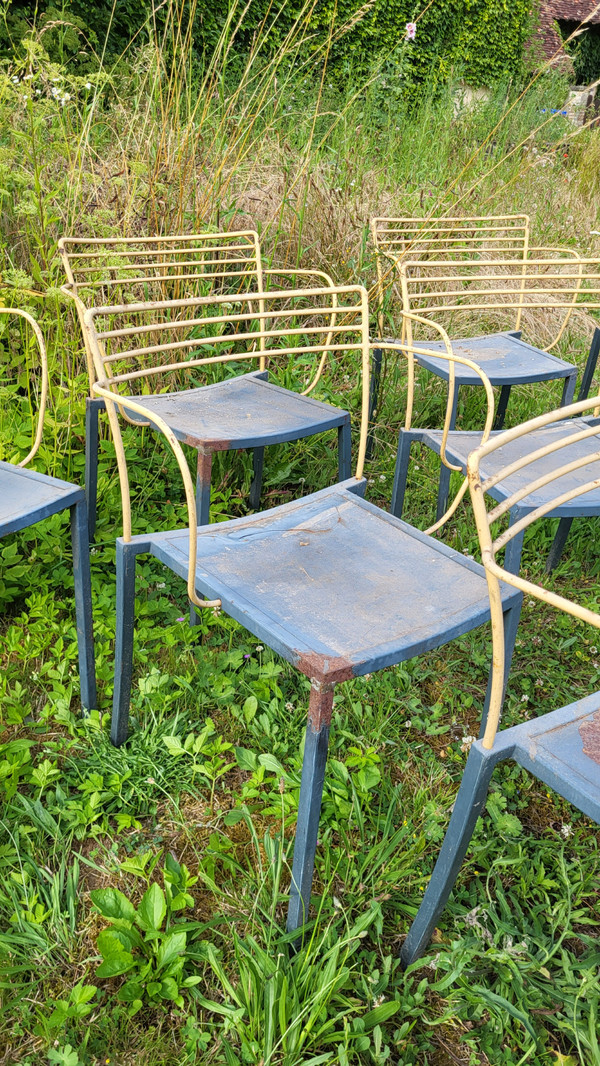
(117, 271)
(27, 497)
(560, 748)
(333, 584)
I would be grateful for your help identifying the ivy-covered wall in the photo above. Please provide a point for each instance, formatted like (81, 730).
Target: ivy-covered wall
(479, 40)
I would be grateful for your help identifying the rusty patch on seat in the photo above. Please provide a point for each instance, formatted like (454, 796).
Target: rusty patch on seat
(589, 731)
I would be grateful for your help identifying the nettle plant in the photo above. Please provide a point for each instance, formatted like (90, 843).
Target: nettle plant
(145, 942)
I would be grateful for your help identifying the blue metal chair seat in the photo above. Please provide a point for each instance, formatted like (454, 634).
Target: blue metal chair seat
(561, 748)
(246, 412)
(506, 360)
(27, 497)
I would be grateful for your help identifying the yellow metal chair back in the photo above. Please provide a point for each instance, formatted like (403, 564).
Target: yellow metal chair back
(452, 237)
(487, 513)
(542, 293)
(118, 270)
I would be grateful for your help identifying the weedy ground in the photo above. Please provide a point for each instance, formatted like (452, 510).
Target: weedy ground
(143, 889)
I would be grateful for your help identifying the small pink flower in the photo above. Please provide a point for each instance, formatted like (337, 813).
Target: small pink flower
(411, 31)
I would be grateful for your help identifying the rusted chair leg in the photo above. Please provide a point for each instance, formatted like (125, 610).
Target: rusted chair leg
(309, 808)
(203, 476)
(83, 604)
(258, 458)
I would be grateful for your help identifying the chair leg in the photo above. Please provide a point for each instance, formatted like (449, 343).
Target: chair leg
(405, 439)
(203, 476)
(444, 484)
(83, 604)
(344, 451)
(126, 554)
(502, 405)
(92, 407)
(467, 808)
(373, 397)
(309, 808)
(258, 459)
(568, 393)
(560, 539)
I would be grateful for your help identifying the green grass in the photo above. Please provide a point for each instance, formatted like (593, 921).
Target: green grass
(211, 772)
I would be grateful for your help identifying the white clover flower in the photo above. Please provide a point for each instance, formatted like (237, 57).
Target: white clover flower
(15, 79)
(88, 84)
(466, 743)
(524, 698)
(259, 647)
(566, 831)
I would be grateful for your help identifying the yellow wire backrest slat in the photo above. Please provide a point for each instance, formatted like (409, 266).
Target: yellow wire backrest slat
(321, 322)
(485, 518)
(567, 284)
(44, 379)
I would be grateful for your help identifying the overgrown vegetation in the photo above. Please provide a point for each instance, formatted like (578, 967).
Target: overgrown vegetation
(481, 40)
(143, 889)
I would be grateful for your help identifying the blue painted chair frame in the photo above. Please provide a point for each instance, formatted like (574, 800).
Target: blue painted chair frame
(27, 497)
(333, 584)
(561, 748)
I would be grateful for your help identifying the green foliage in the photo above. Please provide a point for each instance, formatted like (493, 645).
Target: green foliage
(480, 40)
(584, 51)
(136, 943)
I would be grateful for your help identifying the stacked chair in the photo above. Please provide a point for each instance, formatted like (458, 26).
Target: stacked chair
(454, 271)
(476, 267)
(27, 497)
